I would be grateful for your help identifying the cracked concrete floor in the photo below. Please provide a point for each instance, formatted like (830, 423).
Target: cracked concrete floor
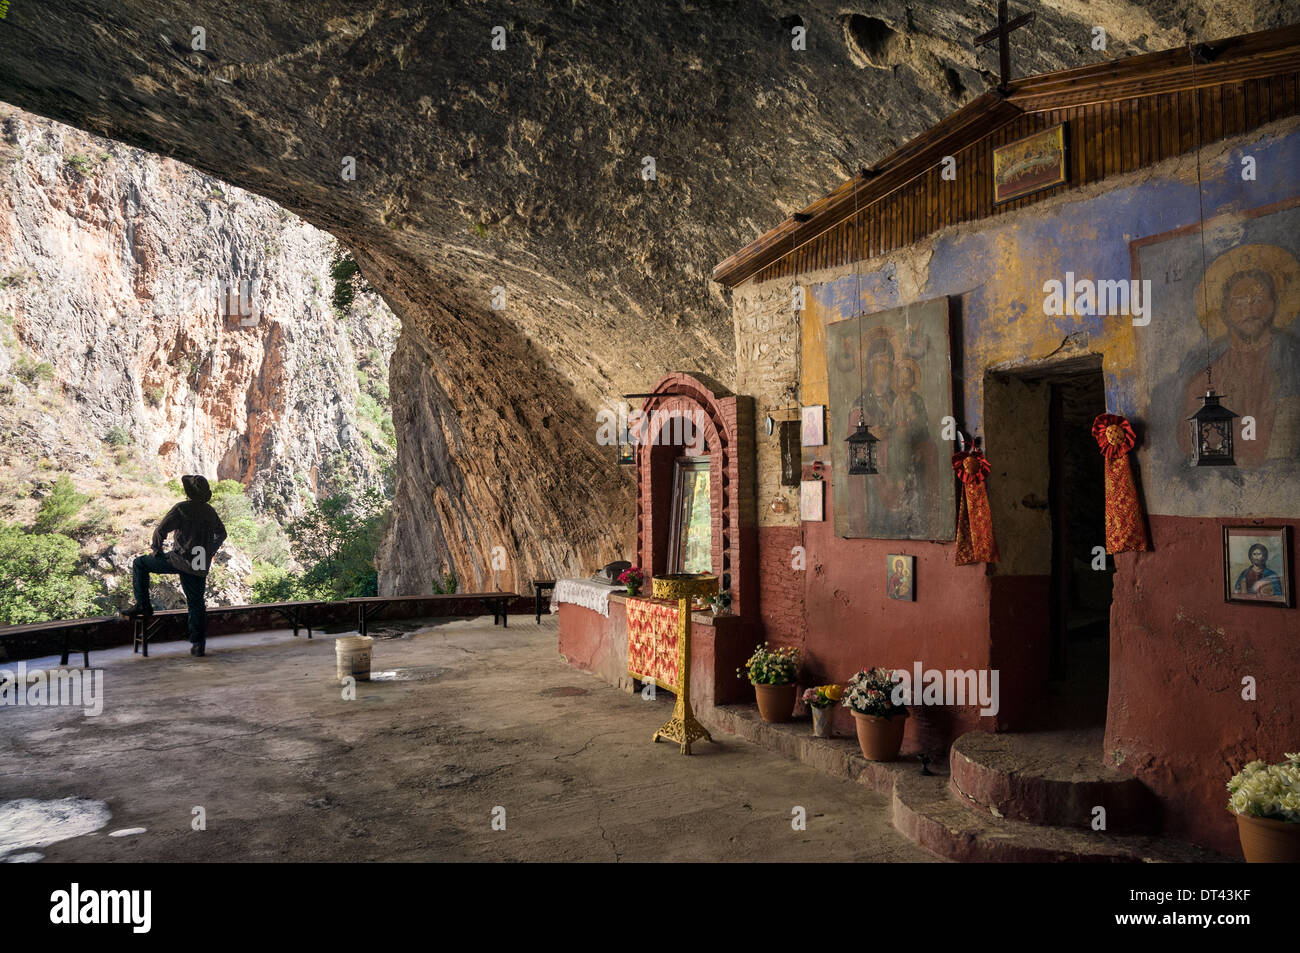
(472, 717)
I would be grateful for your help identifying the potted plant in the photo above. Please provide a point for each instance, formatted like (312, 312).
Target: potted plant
(633, 578)
(1266, 801)
(772, 673)
(880, 721)
(819, 701)
(720, 603)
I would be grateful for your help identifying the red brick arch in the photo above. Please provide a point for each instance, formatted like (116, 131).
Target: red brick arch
(728, 426)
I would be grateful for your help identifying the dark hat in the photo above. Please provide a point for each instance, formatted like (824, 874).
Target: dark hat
(196, 488)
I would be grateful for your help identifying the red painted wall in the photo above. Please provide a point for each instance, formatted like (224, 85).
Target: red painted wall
(1178, 656)
(849, 624)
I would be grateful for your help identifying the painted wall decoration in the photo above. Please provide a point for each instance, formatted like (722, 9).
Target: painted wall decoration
(900, 577)
(812, 501)
(1030, 164)
(1238, 317)
(893, 368)
(813, 429)
(1257, 565)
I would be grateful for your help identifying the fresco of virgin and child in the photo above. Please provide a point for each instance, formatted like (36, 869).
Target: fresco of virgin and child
(891, 370)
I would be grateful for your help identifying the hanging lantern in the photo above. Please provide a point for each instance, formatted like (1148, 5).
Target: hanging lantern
(862, 450)
(1212, 431)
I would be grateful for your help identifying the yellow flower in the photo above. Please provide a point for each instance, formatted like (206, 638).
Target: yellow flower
(833, 692)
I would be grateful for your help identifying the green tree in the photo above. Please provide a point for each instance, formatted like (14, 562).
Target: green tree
(60, 508)
(347, 282)
(337, 538)
(39, 578)
(275, 584)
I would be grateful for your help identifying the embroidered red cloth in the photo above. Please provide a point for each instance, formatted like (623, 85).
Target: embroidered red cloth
(652, 641)
(975, 542)
(1125, 526)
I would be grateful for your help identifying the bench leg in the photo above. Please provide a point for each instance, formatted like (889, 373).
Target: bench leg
(66, 640)
(505, 620)
(537, 604)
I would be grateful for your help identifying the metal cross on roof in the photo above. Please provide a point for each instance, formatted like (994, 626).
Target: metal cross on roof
(1002, 33)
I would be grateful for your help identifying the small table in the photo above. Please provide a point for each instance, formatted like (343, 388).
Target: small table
(540, 588)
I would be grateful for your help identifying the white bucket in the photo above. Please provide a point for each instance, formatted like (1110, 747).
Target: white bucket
(353, 654)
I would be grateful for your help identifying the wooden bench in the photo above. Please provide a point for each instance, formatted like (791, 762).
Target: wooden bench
(368, 607)
(540, 588)
(67, 628)
(295, 613)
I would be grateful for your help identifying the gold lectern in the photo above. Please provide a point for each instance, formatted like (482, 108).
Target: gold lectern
(682, 727)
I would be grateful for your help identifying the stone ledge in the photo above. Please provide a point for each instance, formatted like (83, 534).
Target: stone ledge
(929, 813)
(840, 757)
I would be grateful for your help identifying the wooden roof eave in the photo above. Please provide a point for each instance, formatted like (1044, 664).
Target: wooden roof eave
(968, 125)
(1251, 56)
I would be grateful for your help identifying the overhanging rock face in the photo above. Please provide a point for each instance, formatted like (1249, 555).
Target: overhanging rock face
(524, 169)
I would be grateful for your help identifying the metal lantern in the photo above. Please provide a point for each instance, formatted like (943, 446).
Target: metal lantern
(1212, 433)
(862, 450)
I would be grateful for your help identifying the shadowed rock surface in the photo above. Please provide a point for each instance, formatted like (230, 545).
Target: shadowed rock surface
(522, 168)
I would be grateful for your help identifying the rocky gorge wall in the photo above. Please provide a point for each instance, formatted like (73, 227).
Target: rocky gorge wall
(111, 261)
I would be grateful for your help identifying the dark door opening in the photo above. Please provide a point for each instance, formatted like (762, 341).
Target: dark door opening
(1082, 572)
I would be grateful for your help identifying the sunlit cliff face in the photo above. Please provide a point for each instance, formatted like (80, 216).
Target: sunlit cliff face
(522, 168)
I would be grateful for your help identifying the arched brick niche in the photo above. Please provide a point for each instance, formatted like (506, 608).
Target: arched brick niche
(727, 422)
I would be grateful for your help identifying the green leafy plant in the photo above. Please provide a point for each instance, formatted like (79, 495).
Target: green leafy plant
(275, 584)
(337, 538)
(59, 510)
(348, 282)
(153, 395)
(118, 436)
(771, 666)
(39, 578)
(79, 164)
(33, 372)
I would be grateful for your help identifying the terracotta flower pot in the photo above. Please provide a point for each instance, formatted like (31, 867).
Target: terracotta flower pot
(821, 721)
(1266, 841)
(775, 702)
(880, 738)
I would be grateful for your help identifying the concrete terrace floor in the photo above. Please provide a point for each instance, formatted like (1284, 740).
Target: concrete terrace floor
(473, 717)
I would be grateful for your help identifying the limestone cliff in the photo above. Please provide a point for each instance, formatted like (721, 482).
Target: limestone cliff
(112, 262)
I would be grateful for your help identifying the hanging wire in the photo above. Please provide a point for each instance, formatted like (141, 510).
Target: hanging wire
(857, 304)
(1200, 207)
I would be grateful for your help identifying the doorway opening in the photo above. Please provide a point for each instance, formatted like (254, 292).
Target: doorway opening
(1052, 587)
(1082, 572)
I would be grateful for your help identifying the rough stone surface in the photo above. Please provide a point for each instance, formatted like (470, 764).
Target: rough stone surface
(1052, 777)
(522, 168)
(463, 717)
(110, 264)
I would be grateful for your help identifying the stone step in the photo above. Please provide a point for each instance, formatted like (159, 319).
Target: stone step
(1051, 778)
(928, 812)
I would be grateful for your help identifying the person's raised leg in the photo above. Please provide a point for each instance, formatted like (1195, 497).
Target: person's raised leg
(194, 587)
(140, 570)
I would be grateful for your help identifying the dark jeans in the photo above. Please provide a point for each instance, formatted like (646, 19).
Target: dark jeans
(191, 585)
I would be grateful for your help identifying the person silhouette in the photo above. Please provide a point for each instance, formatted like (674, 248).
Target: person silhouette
(199, 534)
